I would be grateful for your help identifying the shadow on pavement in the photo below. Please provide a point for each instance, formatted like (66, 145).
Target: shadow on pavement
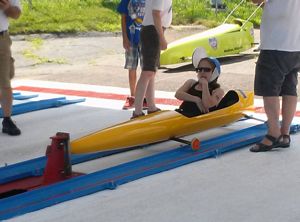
(223, 60)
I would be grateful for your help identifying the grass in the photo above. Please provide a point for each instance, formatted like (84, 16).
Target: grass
(199, 12)
(65, 16)
(72, 16)
(36, 44)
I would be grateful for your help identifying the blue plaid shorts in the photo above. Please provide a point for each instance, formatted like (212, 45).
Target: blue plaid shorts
(132, 56)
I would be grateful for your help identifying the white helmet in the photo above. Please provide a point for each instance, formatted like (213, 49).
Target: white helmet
(199, 54)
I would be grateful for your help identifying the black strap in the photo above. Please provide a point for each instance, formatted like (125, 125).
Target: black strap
(271, 138)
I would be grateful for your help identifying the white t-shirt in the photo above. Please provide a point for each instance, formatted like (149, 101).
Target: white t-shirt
(165, 8)
(3, 18)
(280, 29)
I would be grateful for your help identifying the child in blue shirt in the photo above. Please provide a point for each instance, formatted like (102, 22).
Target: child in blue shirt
(132, 12)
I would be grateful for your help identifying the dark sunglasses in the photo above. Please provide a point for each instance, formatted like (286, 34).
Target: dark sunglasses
(203, 69)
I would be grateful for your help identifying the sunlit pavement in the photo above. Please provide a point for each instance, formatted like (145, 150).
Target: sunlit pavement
(237, 186)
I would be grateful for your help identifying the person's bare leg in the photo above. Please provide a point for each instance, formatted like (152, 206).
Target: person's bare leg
(141, 88)
(289, 105)
(272, 109)
(6, 101)
(132, 81)
(150, 95)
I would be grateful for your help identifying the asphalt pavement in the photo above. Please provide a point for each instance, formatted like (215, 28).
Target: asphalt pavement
(238, 186)
(98, 59)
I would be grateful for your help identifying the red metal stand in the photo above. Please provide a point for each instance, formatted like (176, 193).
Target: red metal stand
(58, 168)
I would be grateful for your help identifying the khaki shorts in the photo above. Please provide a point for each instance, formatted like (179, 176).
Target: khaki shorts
(7, 70)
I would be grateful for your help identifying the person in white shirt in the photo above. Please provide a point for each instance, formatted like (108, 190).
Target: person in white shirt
(158, 17)
(277, 68)
(12, 9)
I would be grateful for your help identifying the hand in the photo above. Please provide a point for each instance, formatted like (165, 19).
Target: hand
(200, 106)
(126, 44)
(163, 44)
(4, 4)
(203, 81)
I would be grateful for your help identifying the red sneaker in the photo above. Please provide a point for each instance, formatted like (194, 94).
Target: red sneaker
(129, 103)
(145, 105)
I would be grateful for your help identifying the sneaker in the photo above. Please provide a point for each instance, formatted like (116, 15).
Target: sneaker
(145, 105)
(129, 103)
(9, 127)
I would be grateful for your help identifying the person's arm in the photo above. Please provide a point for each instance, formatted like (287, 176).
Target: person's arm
(216, 97)
(10, 10)
(126, 42)
(182, 94)
(210, 100)
(157, 23)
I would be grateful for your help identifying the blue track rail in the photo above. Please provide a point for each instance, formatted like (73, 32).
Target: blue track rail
(35, 167)
(41, 104)
(24, 97)
(113, 177)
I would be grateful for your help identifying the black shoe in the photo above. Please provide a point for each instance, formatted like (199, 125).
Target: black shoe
(260, 147)
(284, 141)
(9, 127)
